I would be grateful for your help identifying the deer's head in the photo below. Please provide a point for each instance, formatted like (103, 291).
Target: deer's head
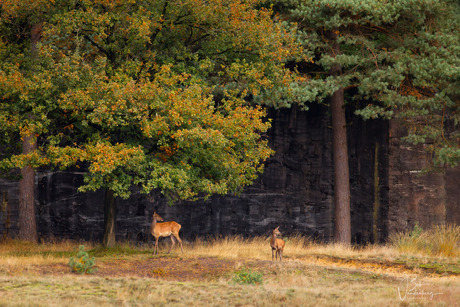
(276, 231)
(156, 217)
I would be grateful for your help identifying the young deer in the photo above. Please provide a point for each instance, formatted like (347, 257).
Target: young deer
(277, 245)
(167, 229)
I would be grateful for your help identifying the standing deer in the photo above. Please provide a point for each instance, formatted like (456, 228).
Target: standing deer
(277, 245)
(167, 229)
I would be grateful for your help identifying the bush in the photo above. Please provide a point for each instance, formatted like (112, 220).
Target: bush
(246, 276)
(82, 264)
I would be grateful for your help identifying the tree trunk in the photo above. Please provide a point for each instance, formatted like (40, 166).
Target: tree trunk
(110, 216)
(342, 233)
(27, 219)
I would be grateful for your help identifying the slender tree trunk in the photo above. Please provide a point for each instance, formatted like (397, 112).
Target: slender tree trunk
(342, 231)
(27, 219)
(110, 216)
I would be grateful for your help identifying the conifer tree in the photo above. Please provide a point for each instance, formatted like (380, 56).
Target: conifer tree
(388, 59)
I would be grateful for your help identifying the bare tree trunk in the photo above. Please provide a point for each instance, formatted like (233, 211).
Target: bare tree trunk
(110, 216)
(342, 232)
(27, 219)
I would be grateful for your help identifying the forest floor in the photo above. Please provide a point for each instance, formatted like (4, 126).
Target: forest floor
(230, 274)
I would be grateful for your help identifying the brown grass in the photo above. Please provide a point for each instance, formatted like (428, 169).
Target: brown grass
(312, 274)
(440, 240)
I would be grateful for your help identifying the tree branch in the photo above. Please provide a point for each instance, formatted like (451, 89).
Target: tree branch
(103, 50)
(163, 14)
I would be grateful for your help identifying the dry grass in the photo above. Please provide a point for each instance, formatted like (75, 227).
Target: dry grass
(292, 283)
(441, 240)
(297, 247)
(312, 274)
(237, 247)
(18, 256)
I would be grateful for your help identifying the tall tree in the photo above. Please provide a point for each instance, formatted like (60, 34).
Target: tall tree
(381, 59)
(155, 94)
(21, 110)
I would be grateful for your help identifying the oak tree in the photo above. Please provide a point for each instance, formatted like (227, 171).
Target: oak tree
(156, 94)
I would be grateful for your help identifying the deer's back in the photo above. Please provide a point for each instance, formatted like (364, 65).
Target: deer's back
(165, 229)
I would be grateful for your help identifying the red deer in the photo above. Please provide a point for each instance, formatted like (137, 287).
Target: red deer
(277, 245)
(167, 229)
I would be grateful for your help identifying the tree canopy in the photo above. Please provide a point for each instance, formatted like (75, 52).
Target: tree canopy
(151, 93)
(398, 59)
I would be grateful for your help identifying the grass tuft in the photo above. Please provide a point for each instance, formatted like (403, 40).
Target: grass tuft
(441, 240)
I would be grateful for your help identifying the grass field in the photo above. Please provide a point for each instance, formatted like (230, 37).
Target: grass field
(228, 272)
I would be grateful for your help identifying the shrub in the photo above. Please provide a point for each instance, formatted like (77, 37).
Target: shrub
(82, 263)
(246, 276)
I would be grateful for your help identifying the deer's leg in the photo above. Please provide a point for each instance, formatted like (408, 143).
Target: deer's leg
(156, 246)
(272, 253)
(179, 240)
(172, 245)
(281, 254)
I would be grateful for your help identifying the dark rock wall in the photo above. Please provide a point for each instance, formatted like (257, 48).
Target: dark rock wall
(295, 192)
(8, 208)
(416, 196)
(65, 213)
(368, 159)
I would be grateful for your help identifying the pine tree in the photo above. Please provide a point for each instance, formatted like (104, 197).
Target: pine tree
(389, 59)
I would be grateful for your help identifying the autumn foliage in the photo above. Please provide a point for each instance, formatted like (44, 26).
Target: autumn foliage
(156, 94)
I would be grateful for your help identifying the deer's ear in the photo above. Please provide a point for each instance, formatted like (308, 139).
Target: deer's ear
(277, 228)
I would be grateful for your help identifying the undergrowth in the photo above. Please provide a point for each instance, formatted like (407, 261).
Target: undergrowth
(247, 276)
(82, 263)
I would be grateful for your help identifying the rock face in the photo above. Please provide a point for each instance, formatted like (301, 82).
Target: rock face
(295, 192)
(416, 197)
